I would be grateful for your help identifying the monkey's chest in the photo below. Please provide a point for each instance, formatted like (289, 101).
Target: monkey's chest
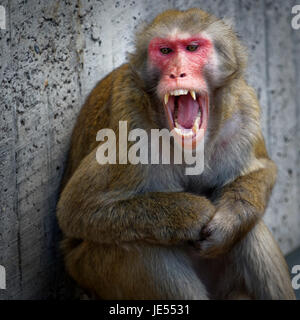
(172, 178)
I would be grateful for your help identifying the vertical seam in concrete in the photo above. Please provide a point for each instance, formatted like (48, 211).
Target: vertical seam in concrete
(15, 164)
(50, 137)
(296, 48)
(50, 140)
(79, 55)
(266, 27)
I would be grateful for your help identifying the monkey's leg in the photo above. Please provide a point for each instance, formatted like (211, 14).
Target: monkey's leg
(257, 267)
(134, 272)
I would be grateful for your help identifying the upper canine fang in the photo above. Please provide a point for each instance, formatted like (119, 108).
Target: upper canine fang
(166, 98)
(193, 94)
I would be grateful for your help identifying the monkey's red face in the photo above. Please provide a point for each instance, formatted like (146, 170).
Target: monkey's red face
(182, 87)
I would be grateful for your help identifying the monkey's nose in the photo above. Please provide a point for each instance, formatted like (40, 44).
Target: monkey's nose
(182, 75)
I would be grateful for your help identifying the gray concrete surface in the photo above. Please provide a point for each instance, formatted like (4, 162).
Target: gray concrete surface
(52, 53)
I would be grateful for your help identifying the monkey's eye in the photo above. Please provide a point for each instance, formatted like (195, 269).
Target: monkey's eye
(192, 47)
(165, 50)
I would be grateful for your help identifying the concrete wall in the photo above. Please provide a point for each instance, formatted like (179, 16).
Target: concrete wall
(51, 55)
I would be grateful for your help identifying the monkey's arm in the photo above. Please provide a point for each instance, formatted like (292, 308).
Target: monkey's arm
(240, 205)
(103, 204)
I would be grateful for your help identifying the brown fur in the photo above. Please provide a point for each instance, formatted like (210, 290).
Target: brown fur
(135, 224)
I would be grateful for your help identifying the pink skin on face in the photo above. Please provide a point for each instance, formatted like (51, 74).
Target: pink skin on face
(180, 68)
(183, 69)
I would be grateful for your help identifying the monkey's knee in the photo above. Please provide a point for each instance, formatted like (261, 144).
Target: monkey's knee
(139, 272)
(263, 266)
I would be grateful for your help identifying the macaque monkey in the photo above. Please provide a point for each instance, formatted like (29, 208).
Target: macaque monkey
(148, 231)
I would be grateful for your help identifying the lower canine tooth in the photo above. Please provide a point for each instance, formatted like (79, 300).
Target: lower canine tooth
(196, 124)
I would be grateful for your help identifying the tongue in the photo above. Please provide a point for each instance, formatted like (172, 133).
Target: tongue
(187, 111)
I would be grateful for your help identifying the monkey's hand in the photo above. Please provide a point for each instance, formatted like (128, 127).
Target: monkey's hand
(220, 234)
(240, 205)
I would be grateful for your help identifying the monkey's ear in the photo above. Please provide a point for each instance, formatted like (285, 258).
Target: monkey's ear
(229, 22)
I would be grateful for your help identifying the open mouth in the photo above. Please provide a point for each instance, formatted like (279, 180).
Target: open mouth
(187, 114)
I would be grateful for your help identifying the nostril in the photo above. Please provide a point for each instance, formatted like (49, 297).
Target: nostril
(172, 76)
(182, 75)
